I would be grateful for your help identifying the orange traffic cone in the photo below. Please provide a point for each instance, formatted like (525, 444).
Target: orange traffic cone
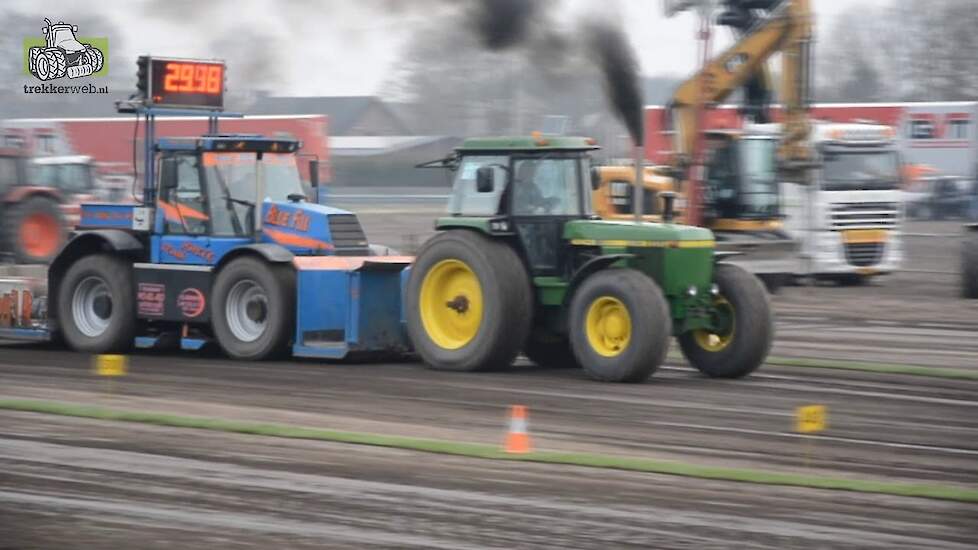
(518, 438)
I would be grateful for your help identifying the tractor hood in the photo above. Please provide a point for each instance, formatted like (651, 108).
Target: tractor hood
(631, 234)
(309, 229)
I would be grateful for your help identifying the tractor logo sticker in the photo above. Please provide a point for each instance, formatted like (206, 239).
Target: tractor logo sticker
(191, 302)
(60, 52)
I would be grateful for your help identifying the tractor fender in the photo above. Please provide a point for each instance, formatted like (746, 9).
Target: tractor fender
(725, 255)
(21, 193)
(591, 266)
(90, 242)
(270, 252)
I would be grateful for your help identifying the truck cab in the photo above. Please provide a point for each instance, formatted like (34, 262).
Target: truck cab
(849, 219)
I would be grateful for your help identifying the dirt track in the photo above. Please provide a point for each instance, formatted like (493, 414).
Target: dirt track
(101, 484)
(907, 429)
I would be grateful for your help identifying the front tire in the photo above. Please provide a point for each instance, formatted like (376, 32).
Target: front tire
(744, 310)
(620, 326)
(96, 304)
(469, 303)
(253, 314)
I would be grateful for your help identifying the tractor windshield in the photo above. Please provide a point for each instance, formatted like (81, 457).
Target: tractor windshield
(63, 37)
(232, 184)
(547, 185)
(8, 173)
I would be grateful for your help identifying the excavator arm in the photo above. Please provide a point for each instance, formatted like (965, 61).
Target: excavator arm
(786, 28)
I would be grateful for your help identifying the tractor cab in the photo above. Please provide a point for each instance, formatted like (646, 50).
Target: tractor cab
(219, 192)
(521, 264)
(534, 185)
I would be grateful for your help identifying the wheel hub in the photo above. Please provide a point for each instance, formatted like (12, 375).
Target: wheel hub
(608, 326)
(460, 304)
(450, 304)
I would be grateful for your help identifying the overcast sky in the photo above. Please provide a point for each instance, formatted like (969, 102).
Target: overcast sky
(347, 47)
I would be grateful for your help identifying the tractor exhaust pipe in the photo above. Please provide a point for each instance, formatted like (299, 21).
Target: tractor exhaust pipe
(639, 192)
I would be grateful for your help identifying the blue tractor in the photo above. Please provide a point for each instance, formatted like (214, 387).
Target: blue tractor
(223, 247)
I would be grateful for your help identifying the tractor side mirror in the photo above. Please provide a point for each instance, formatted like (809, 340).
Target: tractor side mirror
(314, 173)
(168, 173)
(595, 178)
(668, 207)
(484, 179)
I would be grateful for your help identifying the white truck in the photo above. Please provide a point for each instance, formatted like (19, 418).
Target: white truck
(848, 220)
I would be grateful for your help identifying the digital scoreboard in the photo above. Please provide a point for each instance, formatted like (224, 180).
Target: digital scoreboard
(183, 83)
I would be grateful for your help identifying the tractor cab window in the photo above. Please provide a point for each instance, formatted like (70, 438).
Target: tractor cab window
(466, 198)
(232, 185)
(8, 172)
(546, 186)
(182, 201)
(73, 179)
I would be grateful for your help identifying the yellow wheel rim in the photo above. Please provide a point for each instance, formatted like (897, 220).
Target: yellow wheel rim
(451, 304)
(712, 341)
(608, 326)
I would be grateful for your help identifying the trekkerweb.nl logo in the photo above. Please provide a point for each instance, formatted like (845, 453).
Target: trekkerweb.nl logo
(61, 53)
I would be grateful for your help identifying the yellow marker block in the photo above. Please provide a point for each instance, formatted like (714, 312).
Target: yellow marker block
(111, 365)
(810, 419)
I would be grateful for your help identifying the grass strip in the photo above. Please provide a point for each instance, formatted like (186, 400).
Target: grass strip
(882, 368)
(477, 450)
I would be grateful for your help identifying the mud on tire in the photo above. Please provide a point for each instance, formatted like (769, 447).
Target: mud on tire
(469, 302)
(253, 315)
(599, 324)
(746, 345)
(96, 308)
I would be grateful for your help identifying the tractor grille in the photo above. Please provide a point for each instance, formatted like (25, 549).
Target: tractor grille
(347, 235)
(864, 254)
(864, 215)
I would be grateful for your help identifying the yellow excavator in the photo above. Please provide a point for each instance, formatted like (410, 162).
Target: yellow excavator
(728, 180)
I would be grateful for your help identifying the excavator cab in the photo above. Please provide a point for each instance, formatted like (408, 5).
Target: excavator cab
(741, 186)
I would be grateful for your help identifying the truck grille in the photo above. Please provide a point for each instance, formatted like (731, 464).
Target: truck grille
(864, 215)
(864, 254)
(347, 235)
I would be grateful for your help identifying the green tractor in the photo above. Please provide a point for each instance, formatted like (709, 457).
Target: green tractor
(521, 264)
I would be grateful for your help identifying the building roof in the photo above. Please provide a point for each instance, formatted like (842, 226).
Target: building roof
(534, 143)
(343, 111)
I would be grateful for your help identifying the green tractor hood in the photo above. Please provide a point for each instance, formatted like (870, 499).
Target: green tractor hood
(625, 234)
(678, 256)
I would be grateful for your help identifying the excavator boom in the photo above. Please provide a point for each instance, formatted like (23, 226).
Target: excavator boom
(786, 28)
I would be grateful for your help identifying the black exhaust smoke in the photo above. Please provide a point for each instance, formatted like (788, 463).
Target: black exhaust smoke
(504, 24)
(614, 54)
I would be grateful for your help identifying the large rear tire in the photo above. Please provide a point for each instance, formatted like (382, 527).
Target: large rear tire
(469, 302)
(96, 304)
(253, 313)
(744, 308)
(620, 326)
(969, 266)
(34, 231)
